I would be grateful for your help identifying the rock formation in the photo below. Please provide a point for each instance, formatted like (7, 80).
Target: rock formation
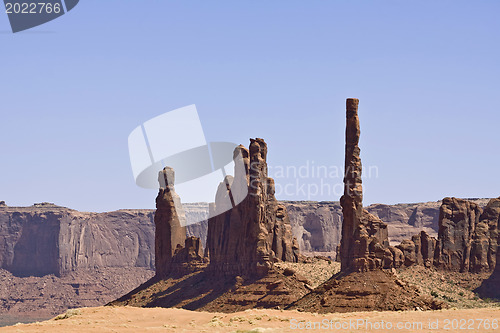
(248, 238)
(484, 249)
(467, 237)
(169, 221)
(484, 254)
(125, 238)
(363, 284)
(457, 221)
(317, 225)
(364, 236)
(243, 243)
(189, 258)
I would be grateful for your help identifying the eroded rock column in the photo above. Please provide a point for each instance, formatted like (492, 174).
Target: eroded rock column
(364, 245)
(352, 200)
(170, 223)
(249, 237)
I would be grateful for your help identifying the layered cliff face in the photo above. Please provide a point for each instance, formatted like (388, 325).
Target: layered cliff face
(47, 239)
(248, 238)
(315, 225)
(405, 220)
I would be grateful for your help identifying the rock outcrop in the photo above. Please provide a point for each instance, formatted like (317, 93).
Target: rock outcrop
(467, 238)
(482, 245)
(484, 249)
(188, 258)
(248, 238)
(243, 243)
(170, 221)
(364, 236)
(457, 221)
(365, 282)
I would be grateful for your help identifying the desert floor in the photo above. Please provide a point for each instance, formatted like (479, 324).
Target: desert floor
(130, 319)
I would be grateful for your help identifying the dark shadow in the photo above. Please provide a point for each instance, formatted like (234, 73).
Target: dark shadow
(490, 287)
(36, 253)
(202, 283)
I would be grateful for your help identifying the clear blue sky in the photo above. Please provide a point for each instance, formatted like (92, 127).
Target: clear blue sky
(426, 73)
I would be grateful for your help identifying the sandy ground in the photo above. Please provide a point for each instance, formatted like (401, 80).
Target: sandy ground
(130, 319)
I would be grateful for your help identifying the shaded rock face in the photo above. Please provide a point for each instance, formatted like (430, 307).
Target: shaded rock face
(484, 249)
(170, 232)
(364, 236)
(248, 238)
(457, 221)
(189, 258)
(489, 287)
(468, 236)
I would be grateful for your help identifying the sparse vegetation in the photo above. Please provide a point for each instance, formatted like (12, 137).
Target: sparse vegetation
(456, 289)
(68, 314)
(317, 272)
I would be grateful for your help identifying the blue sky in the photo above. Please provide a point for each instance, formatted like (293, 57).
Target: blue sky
(426, 73)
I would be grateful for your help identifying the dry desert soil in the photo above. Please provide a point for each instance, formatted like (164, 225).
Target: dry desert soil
(131, 319)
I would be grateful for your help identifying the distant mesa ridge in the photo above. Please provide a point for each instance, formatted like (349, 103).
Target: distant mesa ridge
(316, 226)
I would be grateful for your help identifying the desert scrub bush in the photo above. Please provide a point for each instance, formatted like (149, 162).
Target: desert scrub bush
(69, 313)
(449, 299)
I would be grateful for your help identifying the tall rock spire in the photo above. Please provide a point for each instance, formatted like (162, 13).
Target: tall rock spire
(365, 242)
(352, 200)
(170, 222)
